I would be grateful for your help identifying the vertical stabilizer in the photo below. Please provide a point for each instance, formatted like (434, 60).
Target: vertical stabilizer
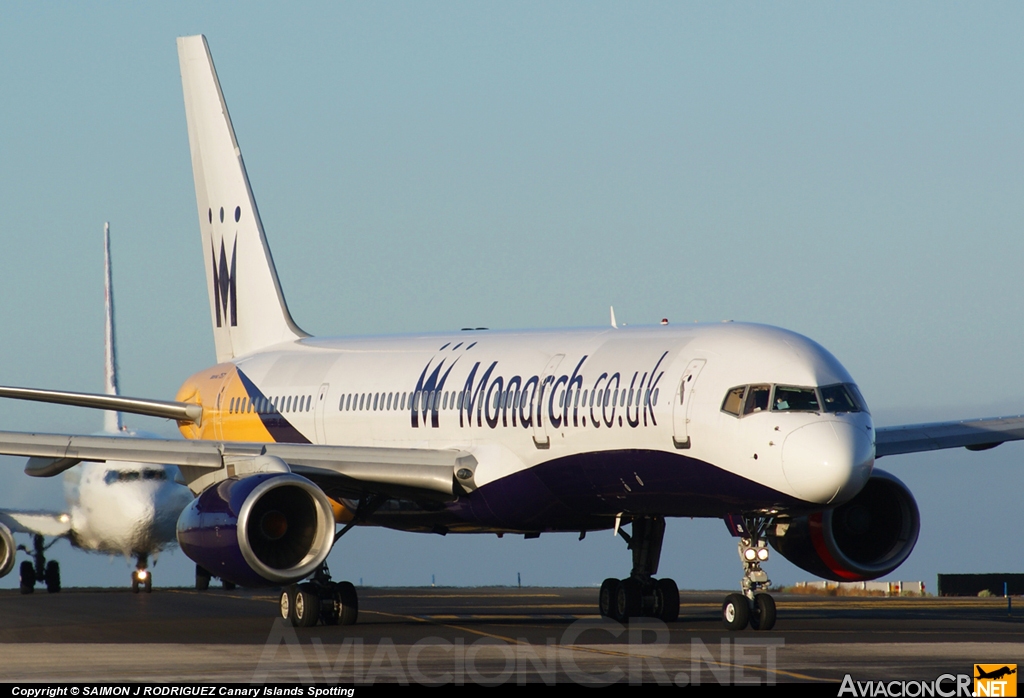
(111, 420)
(246, 304)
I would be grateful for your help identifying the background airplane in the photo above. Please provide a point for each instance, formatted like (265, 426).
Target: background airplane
(114, 507)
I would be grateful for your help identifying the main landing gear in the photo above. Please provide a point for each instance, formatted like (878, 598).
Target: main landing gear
(142, 578)
(203, 578)
(39, 569)
(753, 607)
(641, 594)
(319, 600)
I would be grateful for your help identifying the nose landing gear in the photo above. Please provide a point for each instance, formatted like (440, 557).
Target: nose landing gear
(142, 578)
(641, 594)
(753, 607)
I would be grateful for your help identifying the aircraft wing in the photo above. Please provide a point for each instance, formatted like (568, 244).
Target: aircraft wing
(973, 434)
(46, 523)
(399, 472)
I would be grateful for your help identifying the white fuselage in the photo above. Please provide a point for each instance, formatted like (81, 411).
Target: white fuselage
(580, 408)
(124, 508)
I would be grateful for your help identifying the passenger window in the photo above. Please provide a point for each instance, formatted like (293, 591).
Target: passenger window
(757, 399)
(733, 401)
(789, 399)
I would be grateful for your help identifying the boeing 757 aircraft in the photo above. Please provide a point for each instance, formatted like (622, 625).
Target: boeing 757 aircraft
(114, 507)
(290, 436)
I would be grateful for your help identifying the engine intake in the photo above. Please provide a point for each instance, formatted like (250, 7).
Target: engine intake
(260, 530)
(865, 538)
(7, 551)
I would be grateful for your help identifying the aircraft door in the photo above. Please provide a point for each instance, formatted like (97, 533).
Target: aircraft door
(681, 404)
(318, 414)
(541, 437)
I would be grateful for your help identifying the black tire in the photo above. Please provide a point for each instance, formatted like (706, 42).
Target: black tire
(607, 600)
(135, 582)
(286, 604)
(669, 593)
(52, 577)
(147, 583)
(306, 610)
(28, 577)
(763, 617)
(736, 612)
(347, 602)
(202, 579)
(629, 600)
(228, 586)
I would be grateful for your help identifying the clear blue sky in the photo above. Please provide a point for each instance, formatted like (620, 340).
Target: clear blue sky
(849, 171)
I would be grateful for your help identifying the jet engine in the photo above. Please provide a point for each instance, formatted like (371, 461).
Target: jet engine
(865, 538)
(261, 530)
(7, 551)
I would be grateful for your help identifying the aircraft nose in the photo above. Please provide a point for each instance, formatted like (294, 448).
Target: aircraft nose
(824, 459)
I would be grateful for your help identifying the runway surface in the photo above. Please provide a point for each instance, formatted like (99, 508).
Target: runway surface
(492, 636)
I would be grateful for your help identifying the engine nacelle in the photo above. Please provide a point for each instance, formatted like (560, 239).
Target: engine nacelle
(260, 530)
(865, 538)
(8, 550)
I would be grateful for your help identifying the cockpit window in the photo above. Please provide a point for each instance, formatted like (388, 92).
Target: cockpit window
(733, 401)
(757, 399)
(789, 399)
(112, 476)
(842, 398)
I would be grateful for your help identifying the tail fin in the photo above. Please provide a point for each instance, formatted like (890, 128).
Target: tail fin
(246, 304)
(111, 419)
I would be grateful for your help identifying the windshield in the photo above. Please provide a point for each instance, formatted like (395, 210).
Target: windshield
(788, 399)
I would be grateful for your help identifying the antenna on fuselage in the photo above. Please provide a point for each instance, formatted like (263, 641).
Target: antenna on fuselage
(612, 309)
(111, 419)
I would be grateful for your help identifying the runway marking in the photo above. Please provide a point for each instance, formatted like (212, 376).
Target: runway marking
(461, 596)
(592, 650)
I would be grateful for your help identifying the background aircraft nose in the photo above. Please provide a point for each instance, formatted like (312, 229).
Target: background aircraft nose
(823, 458)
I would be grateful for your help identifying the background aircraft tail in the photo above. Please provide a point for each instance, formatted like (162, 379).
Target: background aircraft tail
(112, 422)
(246, 304)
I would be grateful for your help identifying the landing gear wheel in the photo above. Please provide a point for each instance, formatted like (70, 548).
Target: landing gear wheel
(607, 600)
(306, 610)
(629, 600)
(202, 579)
(135, 582)
(763, 617)
(287, 603)
(147, 583)
(669, 600)
(28, 577)
(52, 577)
(736, 612)
(347, 602)
(228, 586)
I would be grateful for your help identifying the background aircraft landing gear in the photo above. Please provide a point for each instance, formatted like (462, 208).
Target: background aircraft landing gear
(753, 607)
(39, 570)
(142, 578)
(641, 594)
(319, 600)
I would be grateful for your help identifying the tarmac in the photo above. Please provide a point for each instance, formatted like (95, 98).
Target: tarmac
(491, 636)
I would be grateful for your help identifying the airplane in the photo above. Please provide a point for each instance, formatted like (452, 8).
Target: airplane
(114, 507)
(995, 673)
(290, 436)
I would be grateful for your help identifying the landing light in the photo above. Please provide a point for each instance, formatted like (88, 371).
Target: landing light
(143, 574)
(750, 554)
(762, 554)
